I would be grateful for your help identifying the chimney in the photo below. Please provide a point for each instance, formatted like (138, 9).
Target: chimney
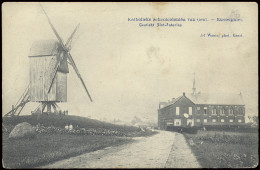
(183, 93)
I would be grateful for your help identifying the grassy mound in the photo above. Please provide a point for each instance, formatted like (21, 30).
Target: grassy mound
(76, 121)
(53, 146)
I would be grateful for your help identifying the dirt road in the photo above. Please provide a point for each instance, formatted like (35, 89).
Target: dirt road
(165, 149)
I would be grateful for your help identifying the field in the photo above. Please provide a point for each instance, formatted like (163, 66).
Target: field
(217, 149)
(52, 145)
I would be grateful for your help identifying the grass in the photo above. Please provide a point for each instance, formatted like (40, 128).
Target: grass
(216, 149)
(76, 121)
(50, 147)
(44, 149)
(61, 121)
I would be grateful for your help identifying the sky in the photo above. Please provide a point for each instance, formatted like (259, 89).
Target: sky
(129, 69)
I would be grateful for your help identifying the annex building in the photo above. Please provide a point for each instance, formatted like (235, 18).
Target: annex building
(199, 109)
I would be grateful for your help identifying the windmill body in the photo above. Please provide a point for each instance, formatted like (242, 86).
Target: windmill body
(44, 56)
(46, 86)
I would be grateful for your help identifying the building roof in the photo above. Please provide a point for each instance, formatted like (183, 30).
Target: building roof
(44, 48)
(210, 99)
(165, 104)
(216, 98)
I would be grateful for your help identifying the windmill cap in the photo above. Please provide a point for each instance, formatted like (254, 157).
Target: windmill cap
(45, 48)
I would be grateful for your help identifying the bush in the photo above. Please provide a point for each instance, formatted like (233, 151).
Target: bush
(232, 128)
(232, 160)
(227, 137)
(77, 131)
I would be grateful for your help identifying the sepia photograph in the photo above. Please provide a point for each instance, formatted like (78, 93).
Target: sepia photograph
(129, 85)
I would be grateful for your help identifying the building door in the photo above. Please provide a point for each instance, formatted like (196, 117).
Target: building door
(190, 122)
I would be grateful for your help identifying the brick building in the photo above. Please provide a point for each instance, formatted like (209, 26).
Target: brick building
(198, 109)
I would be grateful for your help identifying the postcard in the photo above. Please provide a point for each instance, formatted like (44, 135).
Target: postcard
(130, 84)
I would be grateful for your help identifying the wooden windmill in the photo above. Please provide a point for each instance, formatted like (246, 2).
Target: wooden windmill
(49, 61)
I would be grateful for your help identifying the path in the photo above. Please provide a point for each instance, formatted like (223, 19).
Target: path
(181, 155)
(157, 151)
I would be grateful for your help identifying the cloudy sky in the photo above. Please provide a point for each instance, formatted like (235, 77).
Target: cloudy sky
(129, 69)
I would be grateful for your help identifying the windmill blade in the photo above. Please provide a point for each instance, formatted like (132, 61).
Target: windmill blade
(71, 36)
(77, 72)
(58, 63)
(54, 30)
(68, 54)
(61, 42)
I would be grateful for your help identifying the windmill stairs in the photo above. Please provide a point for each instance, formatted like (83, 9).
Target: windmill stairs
(18, 107)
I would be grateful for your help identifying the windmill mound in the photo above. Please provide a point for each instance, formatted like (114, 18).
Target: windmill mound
(50, 121)
(22, 130)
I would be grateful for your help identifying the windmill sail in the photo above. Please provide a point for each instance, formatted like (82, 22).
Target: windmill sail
(76, 70)
(68, 55)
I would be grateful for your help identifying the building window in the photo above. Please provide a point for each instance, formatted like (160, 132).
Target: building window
(177, 122)
(198, 120)
(214, 120)
(221, 111)
(239, 120)
(240, 111)
(177, 111)
(189, 122)
(231, 112)
(205, 110)
(214, 111)
(222, 120)
(205, 120)
(198, 108)
(190, 110)
(231, 120)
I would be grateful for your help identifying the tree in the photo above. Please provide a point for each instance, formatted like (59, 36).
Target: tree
(253, 120)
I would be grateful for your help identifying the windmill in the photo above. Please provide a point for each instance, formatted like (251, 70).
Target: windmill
(49, 61)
